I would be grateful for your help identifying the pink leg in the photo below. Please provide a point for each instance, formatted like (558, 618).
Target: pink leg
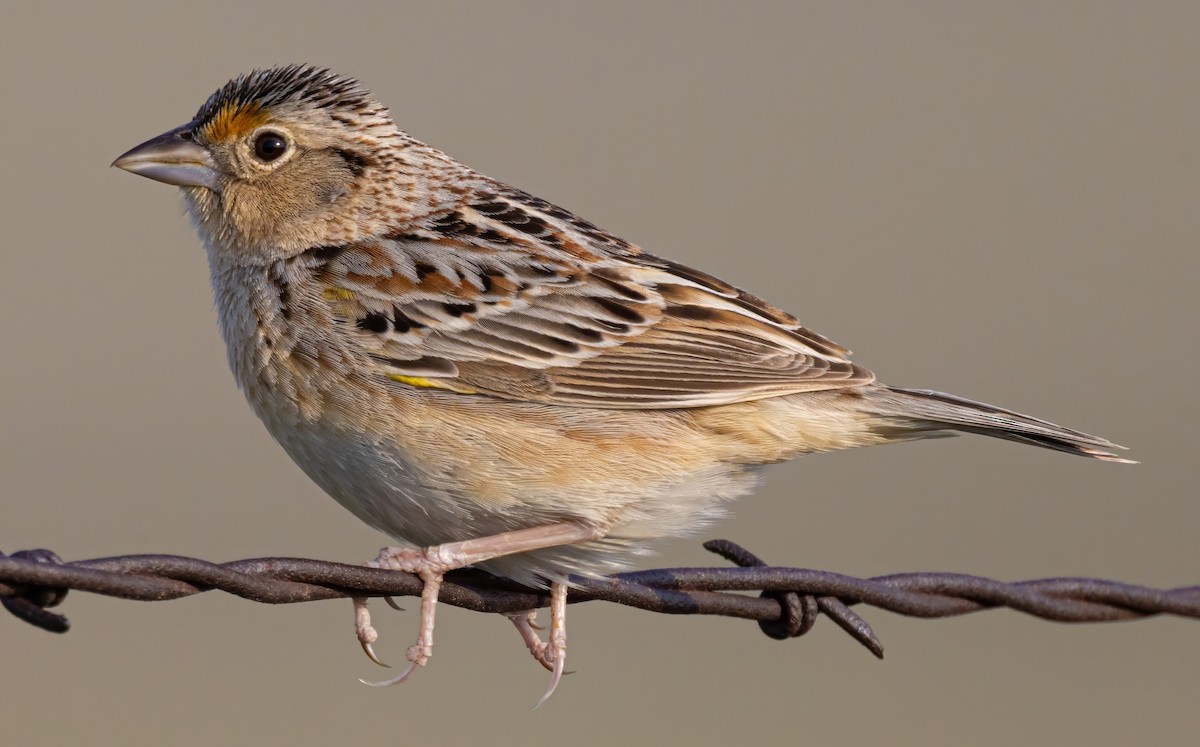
(432, 562)
(364, 629)
(556, 649)
(552, 655)
(523, 621)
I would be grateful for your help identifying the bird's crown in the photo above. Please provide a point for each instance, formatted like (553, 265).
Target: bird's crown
(242, 104)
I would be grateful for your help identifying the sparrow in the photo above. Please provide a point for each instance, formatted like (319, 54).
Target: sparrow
(486, 377)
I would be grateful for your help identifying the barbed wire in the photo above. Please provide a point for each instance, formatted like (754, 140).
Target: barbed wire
(789, 602)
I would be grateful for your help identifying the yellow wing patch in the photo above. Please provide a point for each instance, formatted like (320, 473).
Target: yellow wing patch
(338, 294)
(233, 120)
(424, 383)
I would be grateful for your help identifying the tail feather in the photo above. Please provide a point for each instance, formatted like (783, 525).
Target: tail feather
(922, 412)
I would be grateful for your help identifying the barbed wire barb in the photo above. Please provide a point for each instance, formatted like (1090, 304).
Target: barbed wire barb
(789, 602)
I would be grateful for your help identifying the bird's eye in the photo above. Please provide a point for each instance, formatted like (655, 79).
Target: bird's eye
(269, 145)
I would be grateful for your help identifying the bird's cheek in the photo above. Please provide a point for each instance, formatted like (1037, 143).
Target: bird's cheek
(250, 214)
(331, 193)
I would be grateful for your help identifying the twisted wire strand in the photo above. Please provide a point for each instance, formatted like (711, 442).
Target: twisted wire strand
(788, 604)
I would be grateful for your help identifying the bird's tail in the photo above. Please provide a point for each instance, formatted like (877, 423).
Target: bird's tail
(919, 413)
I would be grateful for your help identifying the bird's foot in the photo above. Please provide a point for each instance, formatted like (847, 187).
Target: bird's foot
(523, 622)
(553, 653)
(427, 563)
(431, 563)
(364, 630)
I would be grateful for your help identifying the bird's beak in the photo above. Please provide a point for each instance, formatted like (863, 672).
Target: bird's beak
(173, 158)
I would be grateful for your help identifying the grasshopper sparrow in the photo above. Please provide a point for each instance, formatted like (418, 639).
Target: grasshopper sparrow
(487, 377)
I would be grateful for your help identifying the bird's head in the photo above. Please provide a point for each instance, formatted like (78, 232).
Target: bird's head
(279, 161)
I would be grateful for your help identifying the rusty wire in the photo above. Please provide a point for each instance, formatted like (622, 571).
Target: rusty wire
(788, 605)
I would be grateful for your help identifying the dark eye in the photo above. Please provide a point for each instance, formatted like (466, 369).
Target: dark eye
(269, 145)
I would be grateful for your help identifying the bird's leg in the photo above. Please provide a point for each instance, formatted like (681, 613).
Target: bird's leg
(431, 563)
(553, 654)
(556, 648)
(523, 621)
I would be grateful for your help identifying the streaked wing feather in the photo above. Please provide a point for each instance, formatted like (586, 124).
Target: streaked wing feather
(515, 298)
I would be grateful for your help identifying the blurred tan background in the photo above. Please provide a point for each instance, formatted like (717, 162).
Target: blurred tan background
(999, 201)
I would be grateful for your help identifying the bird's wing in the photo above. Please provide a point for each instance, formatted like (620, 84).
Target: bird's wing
(515, 298)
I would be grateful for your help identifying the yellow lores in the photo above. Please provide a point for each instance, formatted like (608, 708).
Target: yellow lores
(234, 120)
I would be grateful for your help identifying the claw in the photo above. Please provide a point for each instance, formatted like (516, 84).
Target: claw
(409, 561)
(370, 652)
(398, 679)
(537, 647)
(418, 656)
(555, 651)
(392, 603)
(559, 661)
(431, 563)
(365, 631)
